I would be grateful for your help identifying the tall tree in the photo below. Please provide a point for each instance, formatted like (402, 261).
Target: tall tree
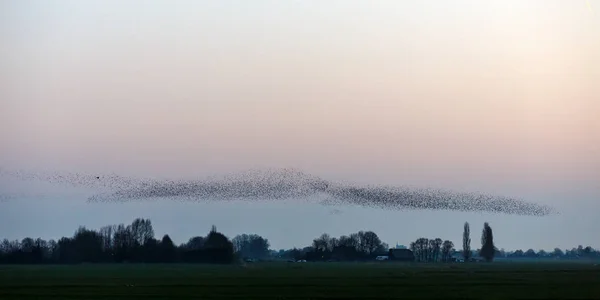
(106, 233)
(467, 242)
(487, 243)
(123, 243)
(355, 240)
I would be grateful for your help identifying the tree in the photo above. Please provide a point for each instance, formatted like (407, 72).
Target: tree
(558, 253)
(467, 242)
(167, 249)
(251, 245)
(436, 246)
(487, 243)
(500, 252)
(88, 244)
(447, 247)
(106, 233)
(370, 242)
(355, 240)
(194, 243)
(123, 243)
(346, 241)
(134, 243)
(217, 248)
(142, 230)
(333, 242)
(587, 251)
(383, 249)
(421, 250)
(347, 248)
(530, 253)
(52, 251)
(427, 250)
(67, 252)
(322, 243)
(27, 244)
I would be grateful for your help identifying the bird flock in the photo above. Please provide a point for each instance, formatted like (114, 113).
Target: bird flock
(280, 184)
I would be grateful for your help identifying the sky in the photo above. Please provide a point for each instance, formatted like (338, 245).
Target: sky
(498, 97)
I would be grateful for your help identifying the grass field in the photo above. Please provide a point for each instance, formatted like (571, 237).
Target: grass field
(302, 281)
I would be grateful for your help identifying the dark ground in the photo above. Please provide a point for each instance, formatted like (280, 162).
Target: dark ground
(303, 281)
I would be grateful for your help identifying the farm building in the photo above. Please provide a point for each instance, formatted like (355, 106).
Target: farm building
(401, 255)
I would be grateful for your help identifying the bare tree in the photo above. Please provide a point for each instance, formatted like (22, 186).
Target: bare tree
(106, 233)
(142, 231)
(322, 243)
(346, 241)
(252, 245)
(333, 242)
(27, 244)
(355, 241)
(447, 247)
(437, 247)
(371, 242)
(431, 251)
(421, 249)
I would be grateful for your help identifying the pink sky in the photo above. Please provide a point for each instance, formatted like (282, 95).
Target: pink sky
(492, 95)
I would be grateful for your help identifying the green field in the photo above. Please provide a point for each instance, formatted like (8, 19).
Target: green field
(302, 281)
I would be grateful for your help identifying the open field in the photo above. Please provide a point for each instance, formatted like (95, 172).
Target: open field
(302, 281)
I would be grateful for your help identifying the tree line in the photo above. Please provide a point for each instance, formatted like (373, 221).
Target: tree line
(118, 244)
(438, 250)
(136, 243)
(362, 245)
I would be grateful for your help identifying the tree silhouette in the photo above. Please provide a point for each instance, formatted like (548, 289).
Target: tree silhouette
(251, 246)
(447, 247)
(557, 252)
(168, 251)
(136, 243)
(487, 243)
(467, 242)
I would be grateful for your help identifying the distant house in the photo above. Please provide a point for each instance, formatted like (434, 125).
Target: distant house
(401, 255)
(458, 257)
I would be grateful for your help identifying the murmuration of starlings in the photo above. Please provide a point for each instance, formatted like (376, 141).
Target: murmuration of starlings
(279, 184)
